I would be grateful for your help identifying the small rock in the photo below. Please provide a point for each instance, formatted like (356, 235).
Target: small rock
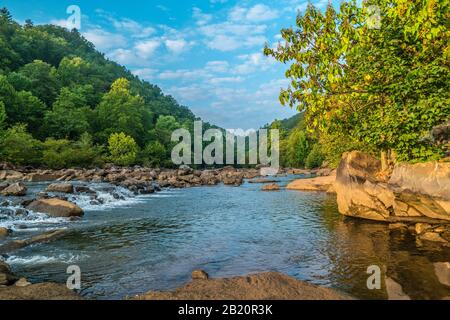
(4, 267)
(271, 187)
(60, 187)
(199, 275)
(16, 189)
(7, 279)
(22, 282)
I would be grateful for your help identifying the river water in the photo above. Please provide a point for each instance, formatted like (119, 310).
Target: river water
(134, 244)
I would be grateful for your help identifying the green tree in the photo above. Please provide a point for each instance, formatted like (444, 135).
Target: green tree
(121, 111)
(154, 155)
(123, 149)
(385, 87)
(2, 115)
(19, 147)
(42, 79)
(70, 115)
(315, 158)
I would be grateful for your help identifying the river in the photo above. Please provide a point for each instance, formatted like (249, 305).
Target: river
(135, 244)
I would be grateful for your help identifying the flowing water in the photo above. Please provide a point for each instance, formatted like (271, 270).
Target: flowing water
(133, 244)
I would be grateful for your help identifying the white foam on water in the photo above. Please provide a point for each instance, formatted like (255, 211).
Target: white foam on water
(41, 259)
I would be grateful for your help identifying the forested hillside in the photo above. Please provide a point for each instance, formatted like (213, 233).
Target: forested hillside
(62, 103)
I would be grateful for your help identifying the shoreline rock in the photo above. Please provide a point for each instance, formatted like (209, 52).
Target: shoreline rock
(261, 286)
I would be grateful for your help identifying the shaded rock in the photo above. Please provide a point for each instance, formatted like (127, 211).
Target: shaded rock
(40, 291)
(312, 184)
(199, 275)
(3, 186)
(4, 267)
(7, 279)
(56, 208)
(262, 286)
(60, 187)
(442, 270)
(356, 189)
(271, 187)
(395, 291)
(84, 189)
(16, 189)
(40, 177)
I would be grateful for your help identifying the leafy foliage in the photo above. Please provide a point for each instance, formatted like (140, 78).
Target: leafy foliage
(122, 148)
(383, 87)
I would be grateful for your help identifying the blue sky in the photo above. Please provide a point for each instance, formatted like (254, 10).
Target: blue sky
(205, 53)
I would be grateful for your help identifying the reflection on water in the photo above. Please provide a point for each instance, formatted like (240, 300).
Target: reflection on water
(154, 244)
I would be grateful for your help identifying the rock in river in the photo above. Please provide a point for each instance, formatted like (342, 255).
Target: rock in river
(271, 187)
(16, 189)
(60, 187)
(56, 208)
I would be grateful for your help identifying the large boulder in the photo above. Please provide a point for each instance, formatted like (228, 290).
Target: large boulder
(56, 208)
(60, 187)
(414, 192)
(16, 189)
(359, 193)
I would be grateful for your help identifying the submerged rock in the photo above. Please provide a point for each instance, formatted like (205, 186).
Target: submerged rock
(3, 232)
(271, 187)
(18, 244)
(16, 189)
(56, 208)
(262, 286)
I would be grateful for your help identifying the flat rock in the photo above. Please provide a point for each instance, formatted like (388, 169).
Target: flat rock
(312, 184)
(442, 270)
(262, 286)
(60, 187)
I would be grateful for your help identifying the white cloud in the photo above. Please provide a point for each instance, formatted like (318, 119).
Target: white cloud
(145, 49)
(252, 63)
(145, 73)
(257, 13)
(200, 17)
(176, 46)
(104, 40)
(217, 66)
(222, 80)
(228, 36)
